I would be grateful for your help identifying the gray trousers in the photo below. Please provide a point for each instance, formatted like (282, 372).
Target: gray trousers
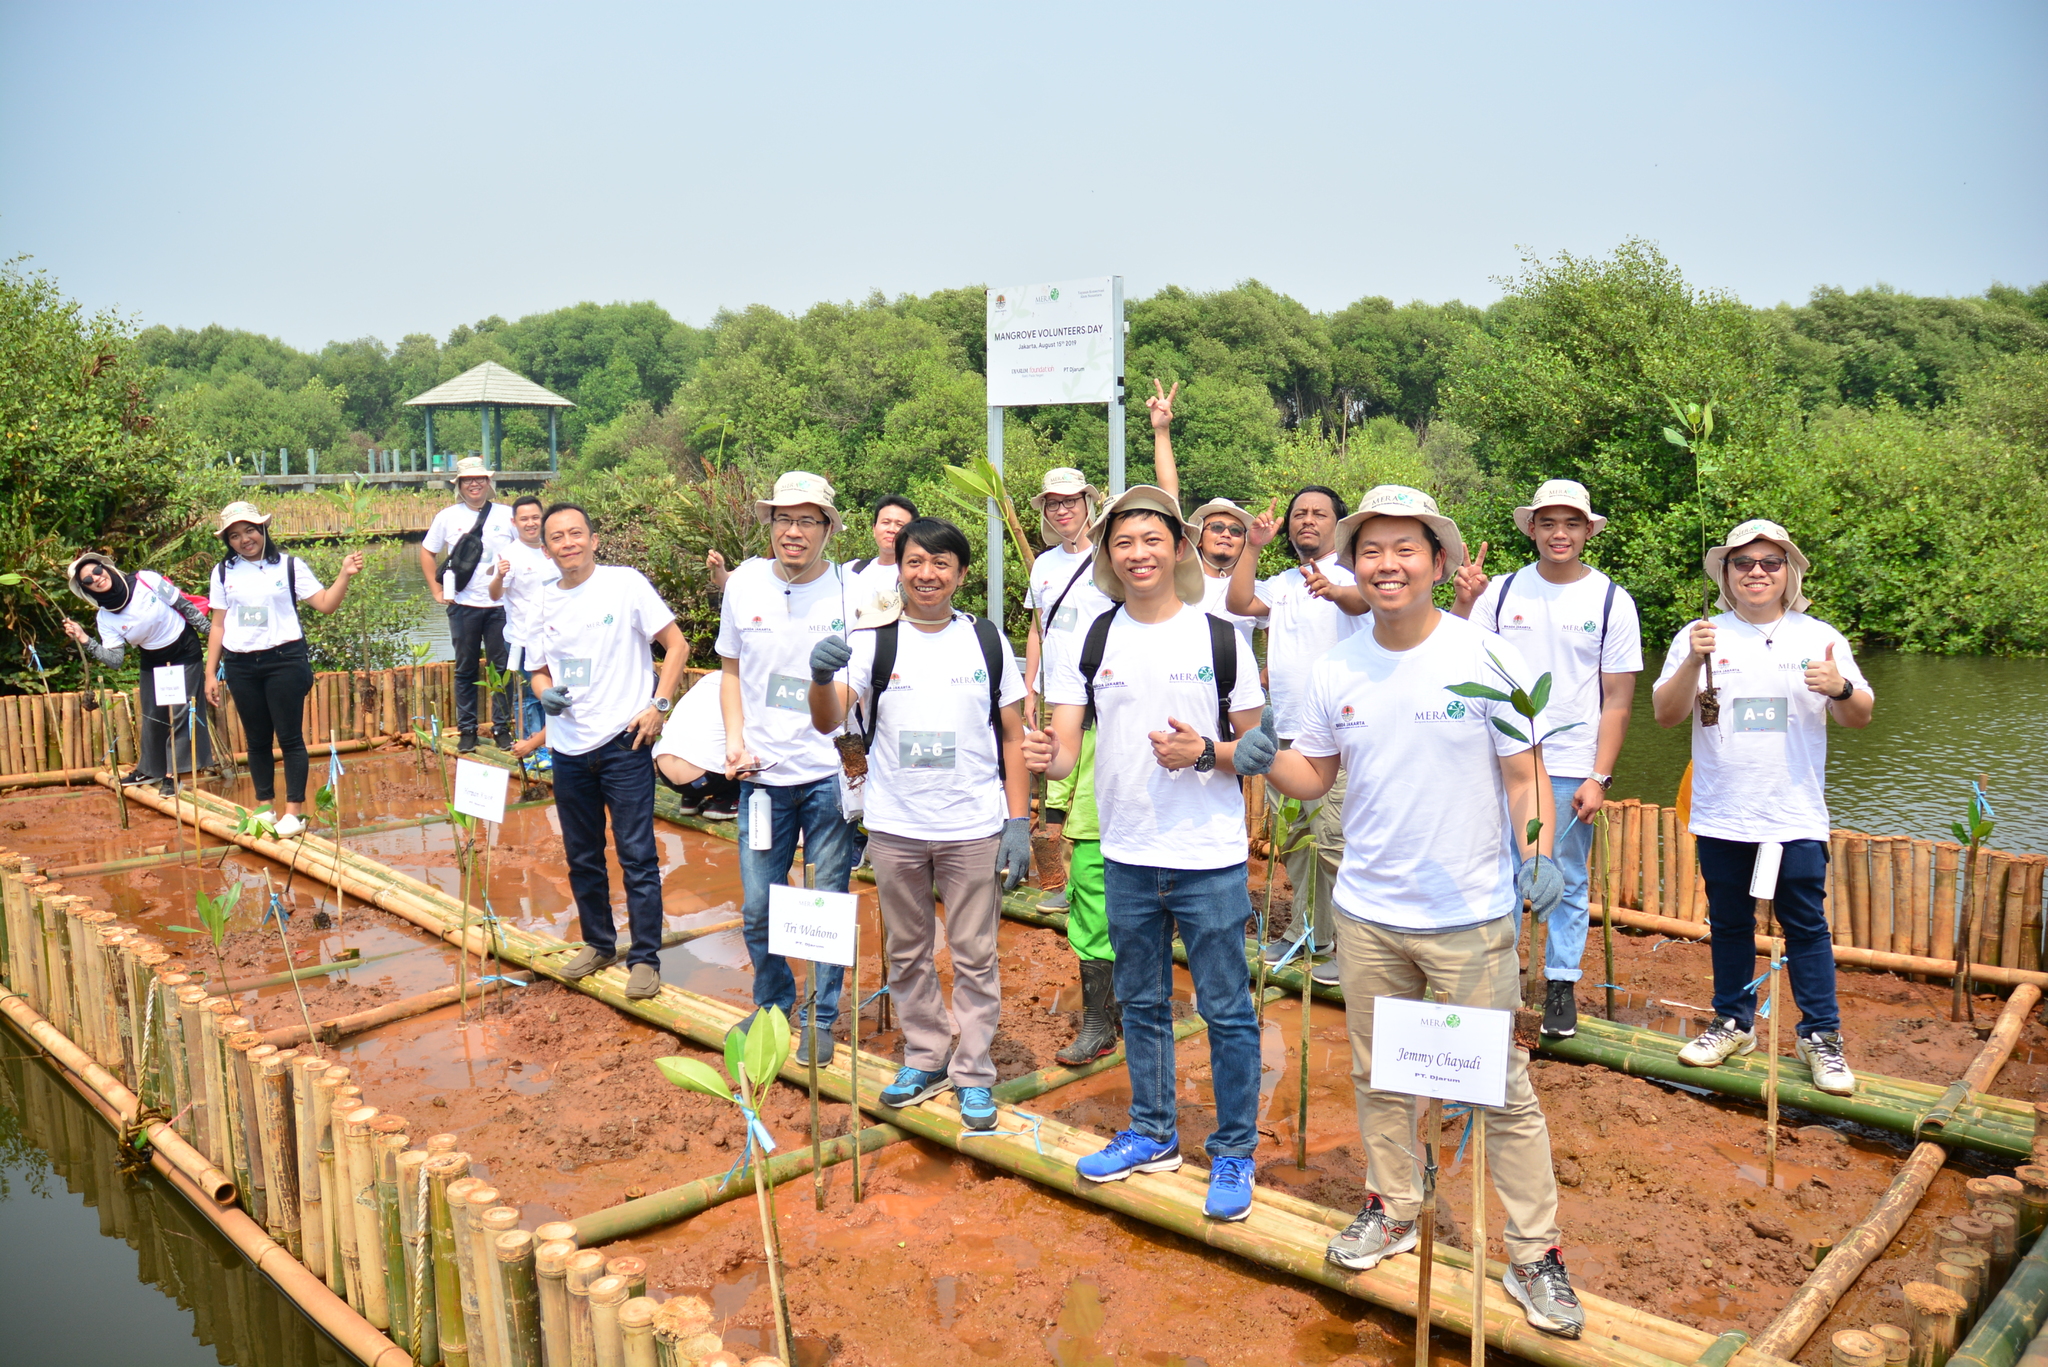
(1317, 860)
(963, 875)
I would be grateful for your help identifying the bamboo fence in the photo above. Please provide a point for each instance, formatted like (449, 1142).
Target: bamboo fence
(312, 515)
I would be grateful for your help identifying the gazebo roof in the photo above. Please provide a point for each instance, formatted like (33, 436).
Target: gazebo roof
(489, 383)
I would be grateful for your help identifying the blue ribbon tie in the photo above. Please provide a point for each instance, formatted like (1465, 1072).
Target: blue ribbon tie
(1032, 1122)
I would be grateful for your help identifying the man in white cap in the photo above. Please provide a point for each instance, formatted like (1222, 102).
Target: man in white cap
(1437, 861)
(1065, 599)
(474, 533)
(1759, 777)
(1173, 698)
(1221, 525)
(1306, 610)
(1575, 624)
(776, 609)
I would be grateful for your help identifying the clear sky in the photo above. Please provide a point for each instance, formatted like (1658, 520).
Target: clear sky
(331, 171)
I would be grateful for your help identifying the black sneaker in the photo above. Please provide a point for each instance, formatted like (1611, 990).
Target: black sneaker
(467, 745)
(503, 740)
(1560, 1009)
(1546, 1295)
(689, 796)
(720, 809)
(132, 778)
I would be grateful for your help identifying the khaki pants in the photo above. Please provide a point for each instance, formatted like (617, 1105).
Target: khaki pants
(1476, 967)
(963, 874)
(1325, 820)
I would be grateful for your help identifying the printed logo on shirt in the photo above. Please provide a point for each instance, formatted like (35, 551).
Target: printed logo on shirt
(1454, 709)
(607, 620)
(981, 676)
(1107, 678)
(1205, 674)
(1590, 627)
(1516, 623)
(1444, 714)
(1347, 717)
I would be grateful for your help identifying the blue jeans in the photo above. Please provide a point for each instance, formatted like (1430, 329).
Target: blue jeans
(616, 778)
(532, 717)
(1801, 909)
(811, 809)
(1209, 908)
(1565, 945)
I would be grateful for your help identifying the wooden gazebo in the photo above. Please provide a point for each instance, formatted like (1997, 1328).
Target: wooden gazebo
(490, 388)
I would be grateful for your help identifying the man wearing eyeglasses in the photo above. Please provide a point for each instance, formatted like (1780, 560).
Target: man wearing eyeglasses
(775, 609)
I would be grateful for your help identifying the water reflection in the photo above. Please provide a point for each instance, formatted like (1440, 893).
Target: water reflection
(186, 1297)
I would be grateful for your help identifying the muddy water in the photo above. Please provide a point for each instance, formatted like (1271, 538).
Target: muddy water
(98, 1269)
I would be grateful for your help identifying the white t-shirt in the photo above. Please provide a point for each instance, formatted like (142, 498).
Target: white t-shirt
(1160, 818)
(874, 579)
(148, 622)
(1556, 627)
(769, 626)
(531, 571)
(1079, 606)
(596, 646)
(1214, 591)
(1761, 774)
(695, 730)
(1300, 629)
(1427, 840)
(932, 765)
(261, 612)
(449, 526)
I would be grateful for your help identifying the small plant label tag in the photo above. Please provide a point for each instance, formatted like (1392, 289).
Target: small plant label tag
(169, 683)
(480, 790)
(804, 923)
(1441, 1049)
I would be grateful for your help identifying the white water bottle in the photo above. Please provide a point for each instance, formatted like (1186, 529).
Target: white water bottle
(1763, 882)
(760, 820)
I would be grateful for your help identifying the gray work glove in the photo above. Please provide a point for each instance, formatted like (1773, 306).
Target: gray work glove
(1255, 751)
(1541, 882)
(553, 701)
(1013, 855)
(828, 657)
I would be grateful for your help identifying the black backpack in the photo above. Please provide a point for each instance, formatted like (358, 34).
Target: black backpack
(885, 662)
(1222, 659)
(1606, 611)
(468, 552)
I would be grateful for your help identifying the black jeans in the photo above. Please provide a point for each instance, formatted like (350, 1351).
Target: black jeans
(617, 778)
(1802, 913)
(474, 632)
(270, 688)
(155, 747)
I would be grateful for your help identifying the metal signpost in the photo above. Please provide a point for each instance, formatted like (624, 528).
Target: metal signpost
(1053, 343)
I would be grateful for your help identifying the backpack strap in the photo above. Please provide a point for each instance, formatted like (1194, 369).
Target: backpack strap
(861, 564)
(1092, 647)
(878, 680)
(1223, 663)
(1600, 657)
(992, 659)
(1502, 601)
(1086, 565)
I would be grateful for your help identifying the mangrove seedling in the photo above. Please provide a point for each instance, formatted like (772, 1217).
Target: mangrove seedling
(1697, 423)
(1287, 818)
(214, 911)
(753, 1061)
(1972, 831)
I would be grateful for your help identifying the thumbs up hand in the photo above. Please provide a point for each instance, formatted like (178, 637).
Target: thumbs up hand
(1824, 676)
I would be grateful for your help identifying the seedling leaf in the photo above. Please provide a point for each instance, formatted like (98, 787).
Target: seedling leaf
(694, 1075)
(1508, 730)
(1540, 697)
(767, 1046)
(1535, 828)
(735, 1051)
(1672, 435)
(1476, 690)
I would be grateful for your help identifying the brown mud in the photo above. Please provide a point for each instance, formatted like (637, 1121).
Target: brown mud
(1663, 1204)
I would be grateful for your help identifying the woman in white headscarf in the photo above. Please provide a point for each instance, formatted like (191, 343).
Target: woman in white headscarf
(145, 610)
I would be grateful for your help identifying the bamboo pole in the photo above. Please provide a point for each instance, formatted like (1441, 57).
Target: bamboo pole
(1631, 853)
(1856, 853)
(1425, 1249)
(1884, 924)
(1933, 1324)
(1478, 1237)
(242, 1046)
(607, 1294)
(459, 1213)
(1691, 908)
(360, 1192)
(483, 1262)
(1855, 1348)
(1923, 899)
(416, 1233)
(550, 1270)
(312, 1216)
(441, 1172)
(1901, 876)
(277, 1141)
(636, 1330)
(388, 1139)
(2013, 884)
(201, 1039)
(1771, 1087)
(518, 1292)
(580, 1270)
(633, 1269)
(338, 1236)
(1653, 901)
(2011, 1318)
(1897, 1342)
(1975, 1263)
(1673, 897)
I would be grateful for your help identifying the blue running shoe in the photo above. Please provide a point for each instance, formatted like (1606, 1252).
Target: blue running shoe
(913, 1085)
(977, 1108)
(543, 761)
(1230, 1189)
(1130, 1152)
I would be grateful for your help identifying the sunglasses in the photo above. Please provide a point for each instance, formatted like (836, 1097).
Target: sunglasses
(1769, 564)
(1224, 528)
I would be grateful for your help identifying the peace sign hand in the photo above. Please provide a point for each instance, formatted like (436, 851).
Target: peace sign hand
(1471, 579)
(1265, 526)
(1160, 406)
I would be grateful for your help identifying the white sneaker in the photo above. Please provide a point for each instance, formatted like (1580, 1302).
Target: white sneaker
(1823, 1054)
(289, 826)
(1717, 1043)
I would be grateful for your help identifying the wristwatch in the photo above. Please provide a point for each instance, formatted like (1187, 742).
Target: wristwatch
(1605, 781)
(1848, 691)
(660, 705)
(1208, 760)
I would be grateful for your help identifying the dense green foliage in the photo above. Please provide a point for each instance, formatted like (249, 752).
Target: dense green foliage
(1902, 439)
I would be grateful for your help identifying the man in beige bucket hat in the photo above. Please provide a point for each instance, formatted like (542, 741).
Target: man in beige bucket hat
(1759, 777)
(1575, 624)
(473, 532)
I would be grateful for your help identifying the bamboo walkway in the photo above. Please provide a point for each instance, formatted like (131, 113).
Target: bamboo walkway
(1283, 1232)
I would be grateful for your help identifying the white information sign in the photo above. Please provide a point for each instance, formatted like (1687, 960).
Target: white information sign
(1459, 1053)
(1052, 343)
(806, 924)
(169, 682)
(480, 790)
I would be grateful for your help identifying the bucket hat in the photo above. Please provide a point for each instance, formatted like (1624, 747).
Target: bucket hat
(1398, 500)
(93, 558)
(1064, 482)
(1559, 493)
(794, 488)
(474, 467)
(1199, 518)
(1187, 565)
(240, 511)
(1760, 529)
